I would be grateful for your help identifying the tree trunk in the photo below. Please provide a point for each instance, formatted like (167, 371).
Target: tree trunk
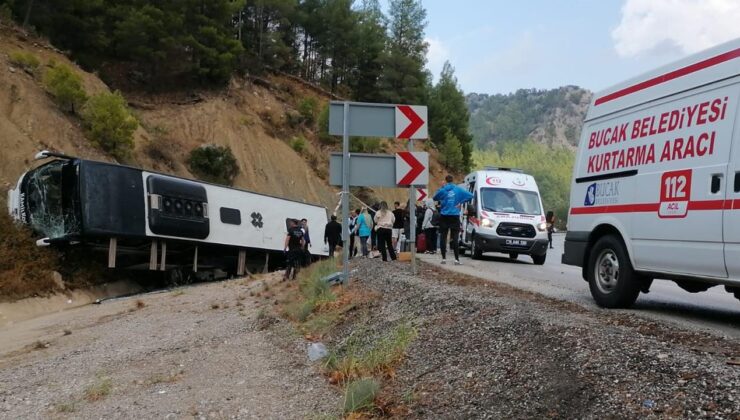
(28, 14)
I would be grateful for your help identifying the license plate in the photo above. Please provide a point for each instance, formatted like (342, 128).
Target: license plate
(516, 242)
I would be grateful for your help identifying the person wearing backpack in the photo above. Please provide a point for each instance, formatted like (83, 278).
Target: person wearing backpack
(429, 227)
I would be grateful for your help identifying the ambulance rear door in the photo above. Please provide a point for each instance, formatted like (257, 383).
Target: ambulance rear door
(731, 219)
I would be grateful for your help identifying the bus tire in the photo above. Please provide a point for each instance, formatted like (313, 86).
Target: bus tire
(611, 278)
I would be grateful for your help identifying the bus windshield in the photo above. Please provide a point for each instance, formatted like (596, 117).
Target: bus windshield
(45, 201)
(505, 200)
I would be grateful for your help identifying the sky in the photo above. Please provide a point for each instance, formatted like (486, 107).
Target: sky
(499, 46)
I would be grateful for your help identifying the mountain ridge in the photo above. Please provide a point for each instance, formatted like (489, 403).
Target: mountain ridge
(553, 117)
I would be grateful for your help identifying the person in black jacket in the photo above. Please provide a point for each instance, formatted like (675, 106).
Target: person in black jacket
(333, 234)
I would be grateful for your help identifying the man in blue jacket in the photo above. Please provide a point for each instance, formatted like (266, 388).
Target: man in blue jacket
(451, 197)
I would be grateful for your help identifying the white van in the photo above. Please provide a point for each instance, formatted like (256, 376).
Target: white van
(656, 184)
(505, 215)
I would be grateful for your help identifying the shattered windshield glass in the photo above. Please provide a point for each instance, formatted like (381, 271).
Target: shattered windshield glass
(44, 197)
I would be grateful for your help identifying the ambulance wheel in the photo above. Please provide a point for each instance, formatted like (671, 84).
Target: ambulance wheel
(539, 259)
(513, 255)
(475, 251)
(611, 279)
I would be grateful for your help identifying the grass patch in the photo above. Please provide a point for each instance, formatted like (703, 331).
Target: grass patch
(355, 360)
(26, 61)
(360, 395)
(312, 291)
(68, 407)
(101, 388)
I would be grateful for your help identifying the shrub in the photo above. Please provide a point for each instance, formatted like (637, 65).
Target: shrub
(26, 61)
(324, 136)
(298, 144)
(110, 124)
(25, 269)
(360, 395)
(307, 108)
(65, 86)
(365, 145)
(214, 163)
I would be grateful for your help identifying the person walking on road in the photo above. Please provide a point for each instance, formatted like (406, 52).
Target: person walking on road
(333, 234)
(363, 229)
(451, 197)
(293, 247)
(550, 220)
(384, 227)
(429, 229)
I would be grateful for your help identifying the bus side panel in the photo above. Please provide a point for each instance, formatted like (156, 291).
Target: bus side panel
(250, 220)
(112, 200)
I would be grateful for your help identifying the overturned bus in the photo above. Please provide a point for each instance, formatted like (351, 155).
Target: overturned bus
(155, 221)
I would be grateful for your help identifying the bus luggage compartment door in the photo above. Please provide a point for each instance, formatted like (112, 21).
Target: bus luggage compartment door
(177, 207)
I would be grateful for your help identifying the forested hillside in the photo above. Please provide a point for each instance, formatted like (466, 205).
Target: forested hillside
(350, 48)
(552, 117)
(534, 130)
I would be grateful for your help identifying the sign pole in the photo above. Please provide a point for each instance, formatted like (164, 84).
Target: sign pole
(412, 219)
(345, 197)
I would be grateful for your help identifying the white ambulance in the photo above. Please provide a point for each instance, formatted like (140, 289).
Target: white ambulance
(506, 215)
(656, 184)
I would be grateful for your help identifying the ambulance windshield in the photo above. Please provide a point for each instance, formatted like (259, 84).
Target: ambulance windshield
(506, 200)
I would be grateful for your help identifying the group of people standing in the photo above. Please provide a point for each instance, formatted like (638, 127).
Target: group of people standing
(385, 231)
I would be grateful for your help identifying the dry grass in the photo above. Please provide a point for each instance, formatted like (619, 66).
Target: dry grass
(101, 388)
(165, 378)
(355, 360)
(25, 269)
(67, 407)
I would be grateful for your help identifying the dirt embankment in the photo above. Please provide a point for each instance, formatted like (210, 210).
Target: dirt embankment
(251, 116)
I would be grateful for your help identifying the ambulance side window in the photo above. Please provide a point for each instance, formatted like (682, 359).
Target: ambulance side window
(737, 182)
(716, 183)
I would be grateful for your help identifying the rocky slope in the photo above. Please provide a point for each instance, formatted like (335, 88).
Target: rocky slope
(553, 117)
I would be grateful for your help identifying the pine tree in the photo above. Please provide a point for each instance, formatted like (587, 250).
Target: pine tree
(404, 78)
(448, 113)
(451, 151)
(370, 52)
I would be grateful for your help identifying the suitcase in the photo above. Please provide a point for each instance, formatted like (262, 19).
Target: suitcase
(421, 242)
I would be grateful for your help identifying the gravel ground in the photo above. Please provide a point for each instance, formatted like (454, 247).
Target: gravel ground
(202, 352)
(487, 350)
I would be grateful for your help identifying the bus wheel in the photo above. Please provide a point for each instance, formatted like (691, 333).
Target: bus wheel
(611, 279)
(513, 255)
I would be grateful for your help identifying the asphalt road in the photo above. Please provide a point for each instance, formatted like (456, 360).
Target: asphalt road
(714, 310)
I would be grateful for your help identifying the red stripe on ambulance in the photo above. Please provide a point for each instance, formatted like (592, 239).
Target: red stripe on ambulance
(675, 74)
